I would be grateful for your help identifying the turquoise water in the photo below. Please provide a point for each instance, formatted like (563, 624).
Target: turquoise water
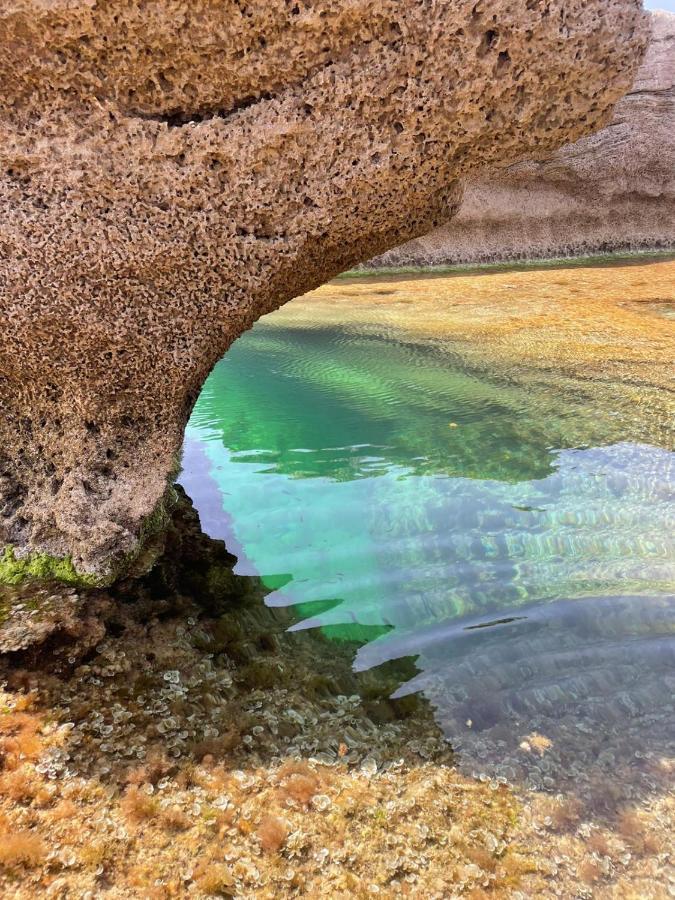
(510, 535)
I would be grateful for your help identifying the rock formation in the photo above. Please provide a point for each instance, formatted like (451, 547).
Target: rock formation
(170, 171)
(614, 190)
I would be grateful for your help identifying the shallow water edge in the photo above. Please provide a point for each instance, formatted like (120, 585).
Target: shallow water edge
(253, 728)
(181, 742)
(619, 258)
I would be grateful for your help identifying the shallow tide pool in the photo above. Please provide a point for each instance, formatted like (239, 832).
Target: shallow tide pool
(474, 473)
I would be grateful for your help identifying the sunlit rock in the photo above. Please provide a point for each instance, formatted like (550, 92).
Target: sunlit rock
(614, 190)
(171, 171)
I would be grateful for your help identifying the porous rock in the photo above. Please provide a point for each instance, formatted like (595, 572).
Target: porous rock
(612, 191)
(170, 171)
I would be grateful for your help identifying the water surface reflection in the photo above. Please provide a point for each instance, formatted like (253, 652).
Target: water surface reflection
(467, 476)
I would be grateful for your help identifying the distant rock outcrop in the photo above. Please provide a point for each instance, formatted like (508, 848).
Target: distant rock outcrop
(614, 190)
(170, 171)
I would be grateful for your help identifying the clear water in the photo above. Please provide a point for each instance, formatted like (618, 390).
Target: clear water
(502, 515)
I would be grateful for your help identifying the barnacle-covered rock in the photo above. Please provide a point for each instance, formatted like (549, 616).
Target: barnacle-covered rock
(171, 171)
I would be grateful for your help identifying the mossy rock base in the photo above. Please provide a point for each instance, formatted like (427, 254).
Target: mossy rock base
(17, 567)
(42, 597)
(16, 570)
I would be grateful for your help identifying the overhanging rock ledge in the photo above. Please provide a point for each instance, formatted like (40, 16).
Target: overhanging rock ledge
(610, 191)
(169, 172)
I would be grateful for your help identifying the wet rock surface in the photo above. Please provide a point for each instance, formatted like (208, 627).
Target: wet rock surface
(169, 174)
(33, 614)
(612, 191)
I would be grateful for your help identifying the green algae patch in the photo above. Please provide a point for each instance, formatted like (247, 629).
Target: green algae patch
(15, 570)
(599, 260)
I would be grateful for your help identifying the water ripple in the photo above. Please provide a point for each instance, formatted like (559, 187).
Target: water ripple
(508, 527)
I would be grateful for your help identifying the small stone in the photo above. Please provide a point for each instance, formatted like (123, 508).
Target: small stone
(321, 802)
(369, 767)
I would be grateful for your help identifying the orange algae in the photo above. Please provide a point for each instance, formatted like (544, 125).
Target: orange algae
(251, 823)
(21, 848)
(272, 833)
(597, 316)
(248, 822)
(611, 324)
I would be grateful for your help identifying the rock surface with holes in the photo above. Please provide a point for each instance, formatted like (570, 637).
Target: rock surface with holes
(170, 171)
(614, 190)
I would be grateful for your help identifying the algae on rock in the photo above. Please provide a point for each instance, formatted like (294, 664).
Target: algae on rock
(14, 570)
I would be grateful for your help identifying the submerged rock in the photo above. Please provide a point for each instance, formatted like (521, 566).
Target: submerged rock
(614, 190)
(169, 174)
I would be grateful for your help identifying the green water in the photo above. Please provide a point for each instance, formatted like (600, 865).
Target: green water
(509, 534)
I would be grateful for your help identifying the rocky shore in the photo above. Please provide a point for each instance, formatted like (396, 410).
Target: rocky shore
(165, 180)
(181, 744)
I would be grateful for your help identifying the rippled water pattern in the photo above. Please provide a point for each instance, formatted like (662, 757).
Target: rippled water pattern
(501, 516)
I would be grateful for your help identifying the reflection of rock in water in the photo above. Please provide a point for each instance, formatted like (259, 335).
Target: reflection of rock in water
(567, 696)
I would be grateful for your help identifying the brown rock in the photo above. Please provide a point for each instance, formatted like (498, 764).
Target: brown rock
(614, 190)
(171, 171)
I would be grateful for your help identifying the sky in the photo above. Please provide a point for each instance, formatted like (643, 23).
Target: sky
(660, 4)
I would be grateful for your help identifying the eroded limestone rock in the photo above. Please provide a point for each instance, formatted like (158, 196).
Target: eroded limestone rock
(614, 190)
(171, 171)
